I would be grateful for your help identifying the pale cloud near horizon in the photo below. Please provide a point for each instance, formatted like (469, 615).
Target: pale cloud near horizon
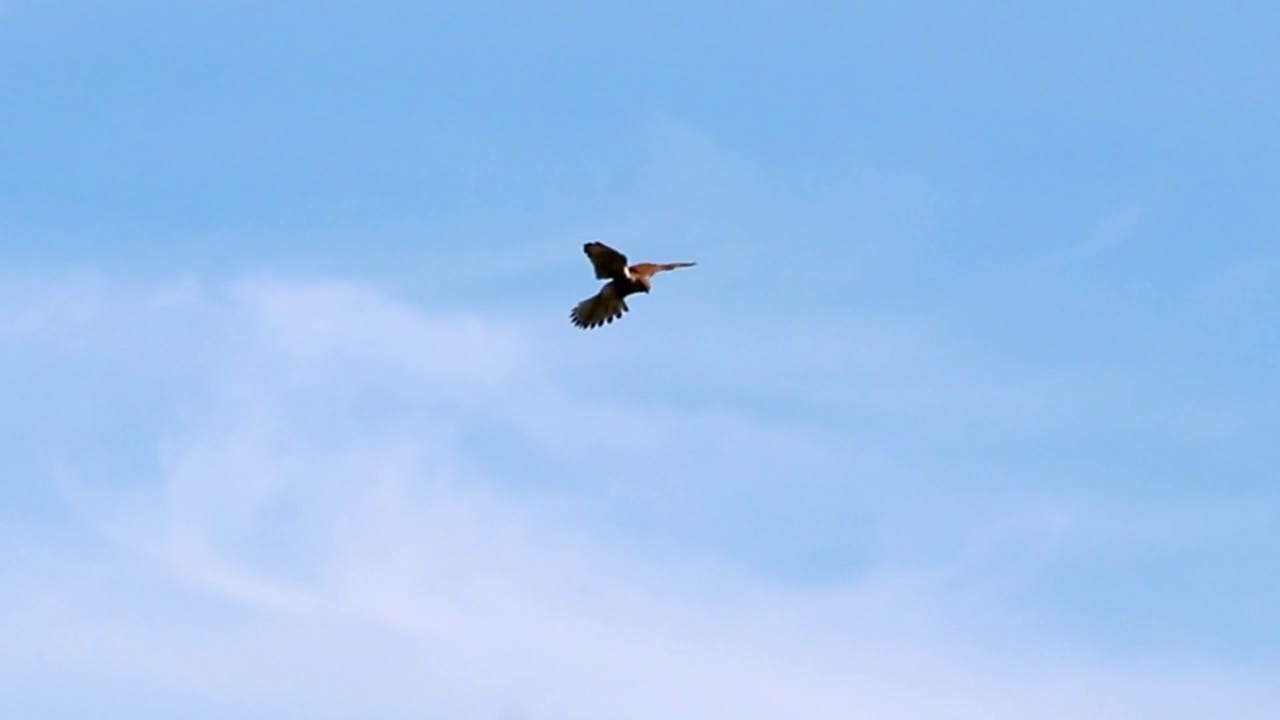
(316, 535)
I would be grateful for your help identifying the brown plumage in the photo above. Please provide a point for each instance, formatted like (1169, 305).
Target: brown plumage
(609, 304)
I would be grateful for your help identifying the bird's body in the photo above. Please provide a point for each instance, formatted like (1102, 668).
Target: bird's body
(610, 303)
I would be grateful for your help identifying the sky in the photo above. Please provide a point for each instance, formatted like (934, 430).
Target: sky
(968, 409)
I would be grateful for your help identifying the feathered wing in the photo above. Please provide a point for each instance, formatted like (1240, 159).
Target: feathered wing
(647, 269)
(603, 307)
(608, 263)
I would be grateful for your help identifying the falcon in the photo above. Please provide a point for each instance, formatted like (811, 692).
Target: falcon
(609, 304)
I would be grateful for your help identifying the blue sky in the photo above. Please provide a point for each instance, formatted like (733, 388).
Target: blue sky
(968, 409)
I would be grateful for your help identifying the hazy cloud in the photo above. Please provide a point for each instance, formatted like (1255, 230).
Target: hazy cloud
(320, 533)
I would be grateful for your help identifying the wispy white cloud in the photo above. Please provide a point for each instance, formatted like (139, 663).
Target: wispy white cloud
(329, 529)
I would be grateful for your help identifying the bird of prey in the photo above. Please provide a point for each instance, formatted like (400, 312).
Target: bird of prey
(609, 304)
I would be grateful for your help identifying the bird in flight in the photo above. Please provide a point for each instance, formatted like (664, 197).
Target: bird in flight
(609, 304)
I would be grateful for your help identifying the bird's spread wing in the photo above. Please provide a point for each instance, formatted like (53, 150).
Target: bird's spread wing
(647, 269)
(609, 263)
(603, 307)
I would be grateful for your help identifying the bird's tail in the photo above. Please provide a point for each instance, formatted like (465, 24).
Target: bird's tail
(648, 269)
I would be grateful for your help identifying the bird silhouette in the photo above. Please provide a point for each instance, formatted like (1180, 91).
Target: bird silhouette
(610, 303)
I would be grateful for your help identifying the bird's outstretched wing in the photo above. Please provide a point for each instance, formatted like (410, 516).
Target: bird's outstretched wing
(603, 307)
(647, 269)
(609, 263)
